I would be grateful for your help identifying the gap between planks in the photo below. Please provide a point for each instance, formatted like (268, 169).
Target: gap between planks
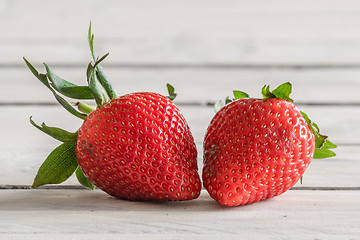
(78, 187)
(200, 104)
(200, 66)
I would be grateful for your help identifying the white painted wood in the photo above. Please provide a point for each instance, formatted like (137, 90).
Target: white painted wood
(340, 123)
(205, 48)
(23, 148)
(63, 213)
(194, 85)
(201, 31)
(19, 167)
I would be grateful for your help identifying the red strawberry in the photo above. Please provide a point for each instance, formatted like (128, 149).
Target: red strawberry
(256, 149)
(137, 146)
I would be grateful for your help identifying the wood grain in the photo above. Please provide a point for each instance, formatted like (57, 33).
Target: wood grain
(67, 212)
(195, 86)
(206, 49)
(323, 32)
(22, 154)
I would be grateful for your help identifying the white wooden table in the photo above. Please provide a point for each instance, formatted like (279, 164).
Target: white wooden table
(205, 48)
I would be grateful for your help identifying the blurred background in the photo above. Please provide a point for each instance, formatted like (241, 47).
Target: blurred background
(205, 48)
(193, 44)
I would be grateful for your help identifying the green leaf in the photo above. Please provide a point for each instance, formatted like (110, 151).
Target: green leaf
(306, 117)
(99, 71)
(319, 139)
(58, 166)
(66, 88)
(228, 100)
(322, 144)
(240, 94)
(323, 153)
(266, 92)
(41, 77)
(283, 91)
(91, 42)
(57, 133)
(171, 91)
(62, 101)
(31, 67)
(98, 91)
(329, 144)
(69, 108)
(218, 105)
(105, 83)
(83, 179)
(77, 92)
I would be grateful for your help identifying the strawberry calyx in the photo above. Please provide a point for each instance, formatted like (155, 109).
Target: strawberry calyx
(171, 91)
(101, 95)
(283, 91)
(99, 72)
(44, 78)
(57, 133)
(62, 162)
(322, 145)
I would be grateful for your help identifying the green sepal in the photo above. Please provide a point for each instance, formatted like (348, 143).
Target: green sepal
(240, 94)
(171, 91)
(58, 166)
(322, 144)
(283, 91)
(57, 133)
(329, 144)
(237, 95)
(97, 90)
(83, 180)
(99, 70)
(218, 105)
(91, 43)
(323, 153)
(69, 108)
(266, 93)
(67, 88)
(105, 83)
(228, 100)
(62, 101)
(77, 92)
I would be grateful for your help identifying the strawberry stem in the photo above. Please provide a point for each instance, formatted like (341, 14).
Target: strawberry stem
(84, 108)
(99, 72)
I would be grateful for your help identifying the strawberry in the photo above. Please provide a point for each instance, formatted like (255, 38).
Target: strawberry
(256, 149)
(137, 146)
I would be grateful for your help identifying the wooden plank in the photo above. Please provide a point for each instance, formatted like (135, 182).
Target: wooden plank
(306, 32)
(39, 213)
(194, 85)
(23, 150)
(341, 127)
(19, 167)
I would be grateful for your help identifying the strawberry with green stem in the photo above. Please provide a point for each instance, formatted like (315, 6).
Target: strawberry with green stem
(256, 149)
(137, 146)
